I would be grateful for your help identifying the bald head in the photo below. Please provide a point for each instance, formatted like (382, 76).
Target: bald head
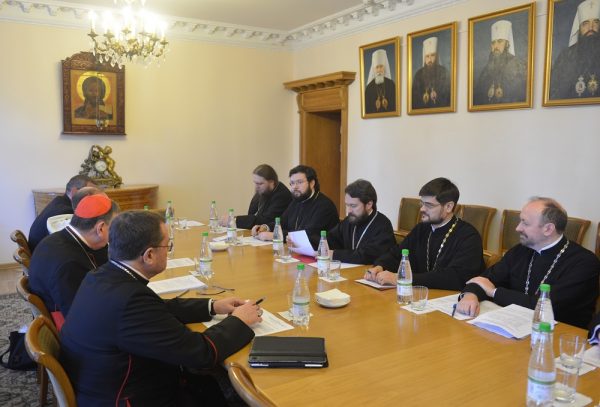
(542, 222)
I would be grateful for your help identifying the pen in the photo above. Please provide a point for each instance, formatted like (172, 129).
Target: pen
(260, 300)
(454, 310)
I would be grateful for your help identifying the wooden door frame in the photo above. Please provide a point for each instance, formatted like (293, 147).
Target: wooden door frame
(325, 93)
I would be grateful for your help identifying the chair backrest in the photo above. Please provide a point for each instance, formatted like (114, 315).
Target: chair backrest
(508, 235)
(408, 214)
(19, 238)
(576, 229)
(490, 258)
(43, 345)
(478, 216)
(36, 304)
(21, 257)
(245, 388)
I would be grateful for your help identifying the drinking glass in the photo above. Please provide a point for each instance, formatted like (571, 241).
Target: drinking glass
(334, 270)
(571, 357)
(419, 297)
(285, 254)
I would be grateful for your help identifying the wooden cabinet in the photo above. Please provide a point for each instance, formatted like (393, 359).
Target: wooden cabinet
(127, 196)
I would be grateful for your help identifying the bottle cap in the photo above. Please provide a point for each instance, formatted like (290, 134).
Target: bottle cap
(545, 327)
(277, 220)
(204, 233)
(300, 267)
(231, 210)
(146, 207)
(405, 252)
(323, 233)
(169, 201)
(545, 288)
(213, 201)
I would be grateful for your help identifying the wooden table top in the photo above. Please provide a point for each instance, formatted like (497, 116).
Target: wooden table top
(379, 354)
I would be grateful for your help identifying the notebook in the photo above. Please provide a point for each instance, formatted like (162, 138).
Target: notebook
(288, 351)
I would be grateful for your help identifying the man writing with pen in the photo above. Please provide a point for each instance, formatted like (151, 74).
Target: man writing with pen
(123, 345)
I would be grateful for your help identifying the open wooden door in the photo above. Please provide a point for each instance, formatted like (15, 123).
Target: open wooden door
(323, 108)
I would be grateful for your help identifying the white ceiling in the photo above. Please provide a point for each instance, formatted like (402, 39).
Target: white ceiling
(284, 15)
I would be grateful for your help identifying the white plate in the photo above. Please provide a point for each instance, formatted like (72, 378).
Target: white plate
(218, 246)
(333, 305)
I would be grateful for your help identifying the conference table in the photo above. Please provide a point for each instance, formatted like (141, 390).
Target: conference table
(379, 354)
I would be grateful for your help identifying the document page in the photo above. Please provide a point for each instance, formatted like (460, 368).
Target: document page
(446, 305)
(270, 324)
(374, 284)
(512, 321)
(182, 262)
(342, 265)
(171, 285)
(301, 243)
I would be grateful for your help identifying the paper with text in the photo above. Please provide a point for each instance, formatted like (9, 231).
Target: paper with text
(446, 305)
(512, 321)
(374, 284)
(182, 262)
(171, 285)
(301, 243)
(270, 324)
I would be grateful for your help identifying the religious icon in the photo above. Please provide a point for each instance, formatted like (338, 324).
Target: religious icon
(380, 78)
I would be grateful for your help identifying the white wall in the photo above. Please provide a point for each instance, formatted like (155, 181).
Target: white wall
(196, 126)
(497, 158)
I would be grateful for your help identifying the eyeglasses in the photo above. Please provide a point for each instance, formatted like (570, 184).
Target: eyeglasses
(429, 205)
(297, 182)
(169, 247)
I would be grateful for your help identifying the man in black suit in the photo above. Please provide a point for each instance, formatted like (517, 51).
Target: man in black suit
(123, 345)
(60, 205)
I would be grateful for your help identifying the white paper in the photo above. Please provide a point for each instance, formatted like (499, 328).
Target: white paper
(592, 356)
(374, 284)
(340, 278)
(512, 321)
(182, 262)
(270, 324)
(342, 265)
(287, 315)
(171, 285)
(193, 223)
(252, 241)
(585, 368)
(428, 308)
(446, 305)
(288, 261)
(219, 238)
(301, 243)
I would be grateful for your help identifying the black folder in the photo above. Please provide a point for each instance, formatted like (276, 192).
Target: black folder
(288, 351)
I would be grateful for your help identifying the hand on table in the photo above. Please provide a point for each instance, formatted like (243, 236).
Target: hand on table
(248, 312)
(468, 305)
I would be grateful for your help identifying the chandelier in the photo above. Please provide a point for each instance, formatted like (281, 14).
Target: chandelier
(134, 35)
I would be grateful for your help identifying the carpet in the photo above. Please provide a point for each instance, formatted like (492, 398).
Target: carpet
(16, 388)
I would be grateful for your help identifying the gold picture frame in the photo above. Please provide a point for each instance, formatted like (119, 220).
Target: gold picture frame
(380, 99)
(93, 96)
(569, 80)
(501, 70)
(431, 56)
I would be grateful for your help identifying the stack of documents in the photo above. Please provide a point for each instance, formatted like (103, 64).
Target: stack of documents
(512, 321)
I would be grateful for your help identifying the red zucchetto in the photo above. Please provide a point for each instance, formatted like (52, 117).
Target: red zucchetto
(93, 206)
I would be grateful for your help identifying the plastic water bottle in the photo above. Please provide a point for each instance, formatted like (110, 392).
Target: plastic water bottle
(213, 217)
(277, 238)
(541, 374)
(231, 228)
(146, 207)
(543, 313)
(404, 282)
(323, 255)
(170, 221)
(205, 260)
(300, 300)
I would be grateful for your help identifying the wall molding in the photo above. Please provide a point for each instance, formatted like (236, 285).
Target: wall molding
(368, 14)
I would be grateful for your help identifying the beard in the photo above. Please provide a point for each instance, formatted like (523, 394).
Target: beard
(379, 79)
(430, 73)
(355, 220)
(301, 197)
(431, 220)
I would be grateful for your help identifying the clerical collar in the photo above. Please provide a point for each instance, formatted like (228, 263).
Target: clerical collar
(311, 196)
(76, 232)
(433, 228)
(129, 269)
(550, 245)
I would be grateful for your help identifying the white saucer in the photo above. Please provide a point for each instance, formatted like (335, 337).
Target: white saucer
(340, 305)
(218, 246)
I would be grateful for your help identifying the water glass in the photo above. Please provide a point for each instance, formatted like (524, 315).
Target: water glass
(285, 253)
(334, 270)
(419, 297)
(571, 357)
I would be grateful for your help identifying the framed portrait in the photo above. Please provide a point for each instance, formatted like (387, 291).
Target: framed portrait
(380, 78)
(572, 70)
(93, 96)
(432, 70)
(501, 59)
